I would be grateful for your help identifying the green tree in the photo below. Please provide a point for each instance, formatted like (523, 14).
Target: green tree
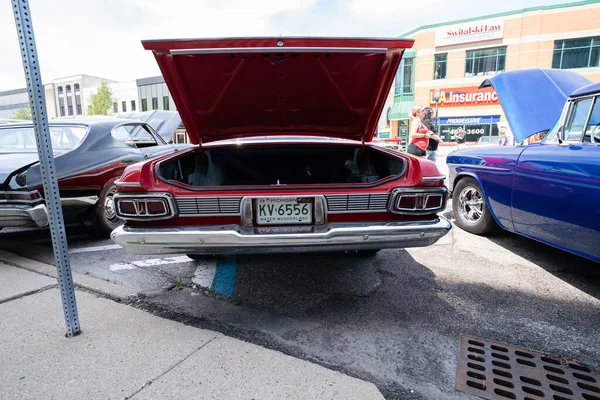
(23, 113)
(101, 101)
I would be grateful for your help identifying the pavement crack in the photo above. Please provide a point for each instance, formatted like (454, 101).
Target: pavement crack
(29, 293)
(151, 381)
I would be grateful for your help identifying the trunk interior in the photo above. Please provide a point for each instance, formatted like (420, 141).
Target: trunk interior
(292, 165)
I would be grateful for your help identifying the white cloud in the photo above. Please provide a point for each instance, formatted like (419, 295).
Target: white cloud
(102, 37)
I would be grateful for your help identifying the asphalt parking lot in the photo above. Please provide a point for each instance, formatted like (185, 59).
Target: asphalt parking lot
(394, 319)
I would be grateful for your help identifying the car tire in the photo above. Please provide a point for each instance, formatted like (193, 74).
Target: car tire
(105, 219)
(470, 208)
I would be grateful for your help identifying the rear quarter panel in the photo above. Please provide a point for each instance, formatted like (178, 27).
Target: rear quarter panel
(493, 168)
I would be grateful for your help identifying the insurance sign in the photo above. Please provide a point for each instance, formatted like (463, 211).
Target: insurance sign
(465, 96)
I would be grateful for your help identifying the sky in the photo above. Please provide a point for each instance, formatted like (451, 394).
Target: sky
(102, 37)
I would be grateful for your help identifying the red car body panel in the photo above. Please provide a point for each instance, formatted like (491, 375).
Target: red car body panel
(277, 93)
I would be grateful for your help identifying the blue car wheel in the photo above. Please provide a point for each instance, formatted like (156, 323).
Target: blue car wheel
(470, 209)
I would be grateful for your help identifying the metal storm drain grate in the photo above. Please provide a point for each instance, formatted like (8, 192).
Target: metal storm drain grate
(493, 370)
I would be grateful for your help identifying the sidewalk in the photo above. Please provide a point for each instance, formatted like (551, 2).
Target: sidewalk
(127, 353)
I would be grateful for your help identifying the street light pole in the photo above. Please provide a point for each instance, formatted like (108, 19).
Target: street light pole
(436, 98)
(437, 121)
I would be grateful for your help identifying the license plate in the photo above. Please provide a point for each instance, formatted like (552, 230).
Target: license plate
(284, 211)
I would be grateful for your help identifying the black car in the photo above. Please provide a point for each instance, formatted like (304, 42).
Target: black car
(90, 155)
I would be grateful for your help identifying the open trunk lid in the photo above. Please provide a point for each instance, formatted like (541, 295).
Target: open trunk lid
(229, 88)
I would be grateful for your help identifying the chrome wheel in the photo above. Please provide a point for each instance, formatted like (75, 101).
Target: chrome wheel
(109, 207)
(471, 204)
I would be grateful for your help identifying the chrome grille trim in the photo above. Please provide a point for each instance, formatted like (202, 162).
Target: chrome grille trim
(208, 206)
(230, 205)
(342, 203)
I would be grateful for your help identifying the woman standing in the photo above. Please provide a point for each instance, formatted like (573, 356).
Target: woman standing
(434, 140)
(419, 134)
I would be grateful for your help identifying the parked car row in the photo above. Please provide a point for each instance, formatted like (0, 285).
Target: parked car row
(283, 158)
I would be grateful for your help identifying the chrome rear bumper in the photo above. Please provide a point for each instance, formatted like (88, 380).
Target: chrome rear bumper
(234, 239)
(15, 215)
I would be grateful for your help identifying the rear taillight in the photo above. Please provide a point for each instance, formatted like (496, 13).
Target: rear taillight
(18, 196)
(144, 207)
(418, 200)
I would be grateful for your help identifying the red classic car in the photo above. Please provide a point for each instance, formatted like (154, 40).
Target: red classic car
(283, 161)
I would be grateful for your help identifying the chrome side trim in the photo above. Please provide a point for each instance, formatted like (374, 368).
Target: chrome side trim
(128, 184)
(235, 239)
(17, 192)
(84, 201)
(16, 201)
(283, 49)
(433, 178)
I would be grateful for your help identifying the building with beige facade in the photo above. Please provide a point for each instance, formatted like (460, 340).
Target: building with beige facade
(456, 57)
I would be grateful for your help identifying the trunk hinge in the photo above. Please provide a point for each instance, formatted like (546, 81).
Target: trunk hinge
(362, 146)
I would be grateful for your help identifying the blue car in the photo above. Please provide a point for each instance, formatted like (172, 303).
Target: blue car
(548, 191)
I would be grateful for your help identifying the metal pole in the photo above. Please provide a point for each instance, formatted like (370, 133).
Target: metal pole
(437, 120)
(37, 101)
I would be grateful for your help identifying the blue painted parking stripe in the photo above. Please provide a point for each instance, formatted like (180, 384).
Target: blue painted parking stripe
(224, 281)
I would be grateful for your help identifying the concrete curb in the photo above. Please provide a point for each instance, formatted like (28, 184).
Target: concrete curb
(99, 286)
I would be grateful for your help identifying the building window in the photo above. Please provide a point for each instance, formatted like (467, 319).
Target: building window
(78, 109)
(485, 62)
(62, 111)
(576, 53)
(165, 102)
(60, 90)
(404, 76)
(68, 88)
(76, 86)
(124, 106)
(155, 103)
(132, 105)
(144, 104)
(439, 66)
(70, 110)
(116, 107)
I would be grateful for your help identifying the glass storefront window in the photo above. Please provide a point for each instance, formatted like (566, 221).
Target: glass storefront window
(576, 53)
(485, 62)
(404, 76)
(439, 66)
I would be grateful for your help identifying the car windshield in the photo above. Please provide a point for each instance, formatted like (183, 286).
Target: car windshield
(23, 138)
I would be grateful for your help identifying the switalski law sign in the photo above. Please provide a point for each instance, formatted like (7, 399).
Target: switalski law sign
(470, 32)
